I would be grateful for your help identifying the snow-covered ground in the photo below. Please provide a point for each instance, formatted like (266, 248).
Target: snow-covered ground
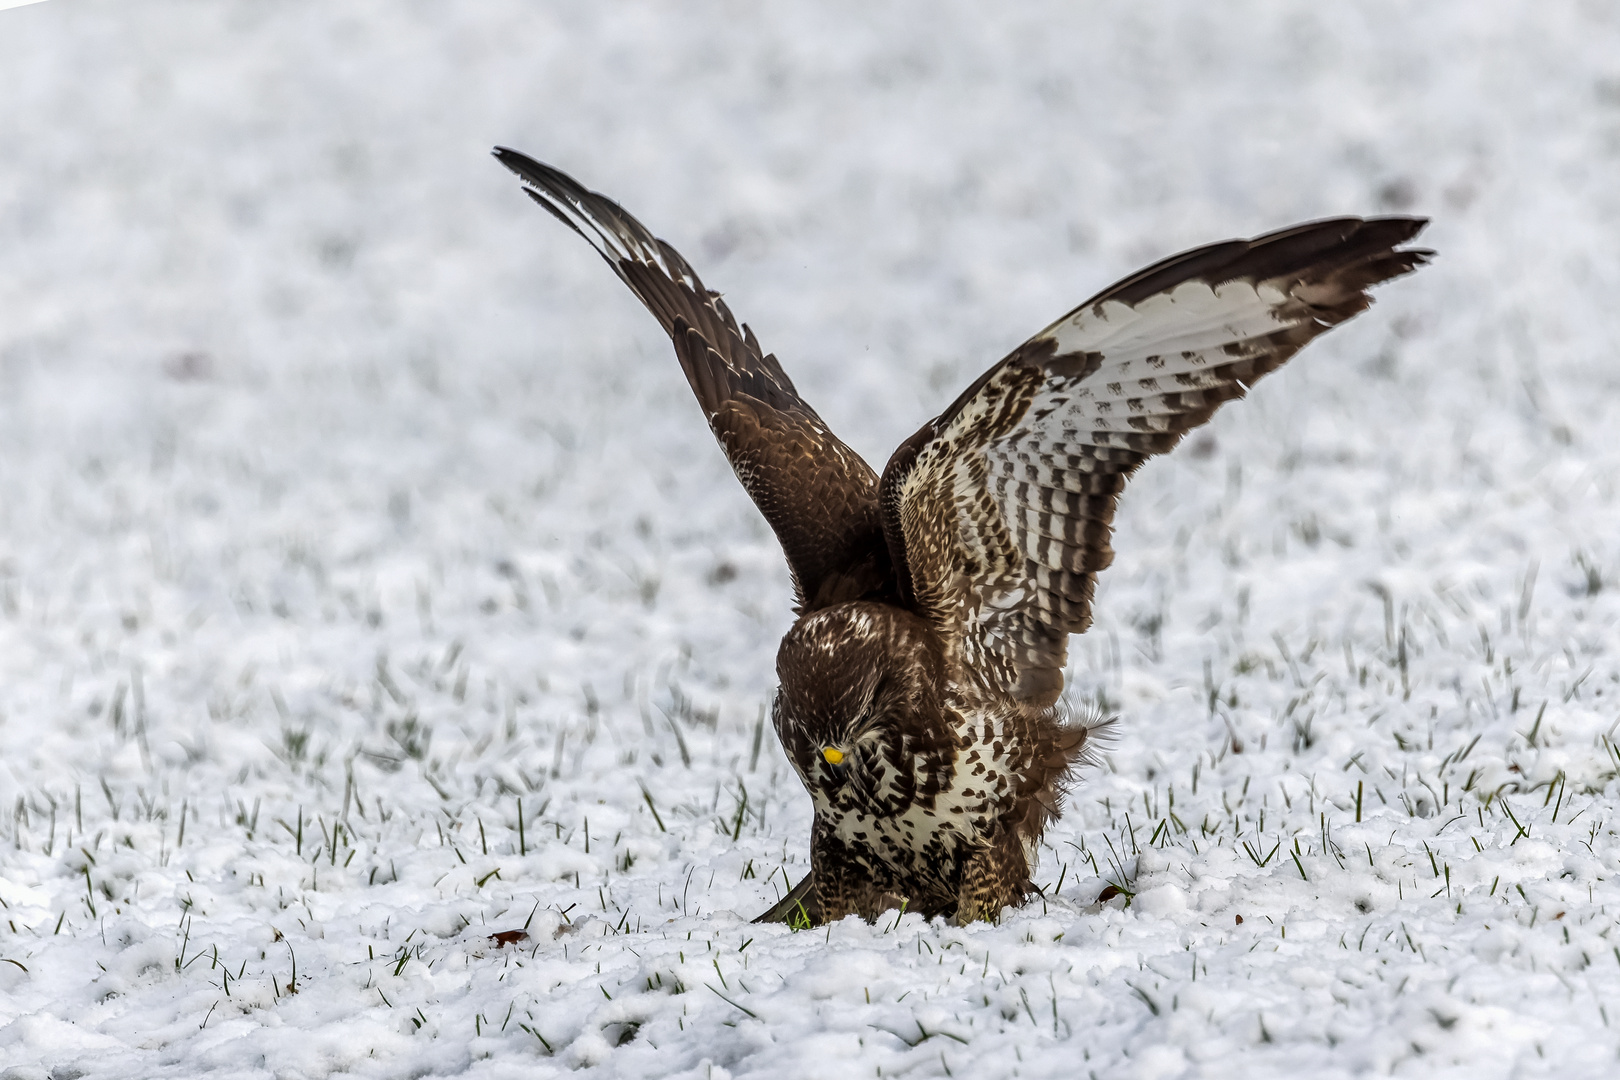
(369, 584)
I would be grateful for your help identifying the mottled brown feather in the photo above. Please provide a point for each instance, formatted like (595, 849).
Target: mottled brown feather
(818, 495)
(982, 529)
(936, 604)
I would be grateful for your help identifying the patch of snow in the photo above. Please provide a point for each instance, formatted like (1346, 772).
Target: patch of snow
(369, 585)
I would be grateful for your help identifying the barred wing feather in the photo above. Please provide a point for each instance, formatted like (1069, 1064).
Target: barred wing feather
(818, 495)
(998, 513)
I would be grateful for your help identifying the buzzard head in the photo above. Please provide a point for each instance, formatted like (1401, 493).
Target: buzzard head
(859, 711)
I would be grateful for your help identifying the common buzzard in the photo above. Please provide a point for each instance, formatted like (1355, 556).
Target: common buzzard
(920, 685)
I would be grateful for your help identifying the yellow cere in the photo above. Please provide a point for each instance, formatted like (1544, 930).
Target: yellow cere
(833, 755)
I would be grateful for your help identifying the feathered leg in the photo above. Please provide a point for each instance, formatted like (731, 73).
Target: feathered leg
(842, 885)
(992, 878)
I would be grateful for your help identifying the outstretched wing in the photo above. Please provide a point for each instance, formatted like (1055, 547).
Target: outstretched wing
(998, 513)
(818, 495)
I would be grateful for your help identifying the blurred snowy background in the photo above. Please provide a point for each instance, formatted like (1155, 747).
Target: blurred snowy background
(369, 583)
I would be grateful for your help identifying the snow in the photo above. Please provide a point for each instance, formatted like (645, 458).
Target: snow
(348, 504)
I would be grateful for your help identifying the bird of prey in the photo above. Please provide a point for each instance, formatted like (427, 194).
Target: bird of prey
(920, 685)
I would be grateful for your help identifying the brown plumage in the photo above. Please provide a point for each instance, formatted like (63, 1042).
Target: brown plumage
(920, 686)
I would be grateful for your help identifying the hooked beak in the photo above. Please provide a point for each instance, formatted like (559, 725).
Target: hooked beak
(836, 760)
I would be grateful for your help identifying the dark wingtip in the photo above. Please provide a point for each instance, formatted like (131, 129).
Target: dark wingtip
(1407, 225)
(519, 163)
(1391, 232)
(1398, 230)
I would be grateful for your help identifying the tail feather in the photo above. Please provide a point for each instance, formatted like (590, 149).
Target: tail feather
(799, 904)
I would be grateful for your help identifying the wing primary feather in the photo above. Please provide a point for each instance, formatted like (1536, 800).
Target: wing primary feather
(817, 494)
(1007, 568)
